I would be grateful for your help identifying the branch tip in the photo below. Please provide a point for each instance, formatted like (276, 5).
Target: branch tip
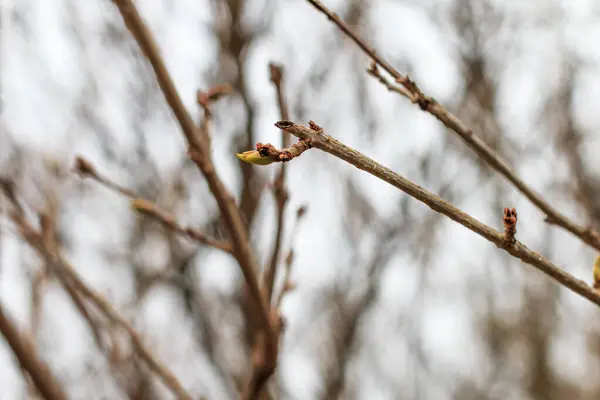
(312, 125)
(284, 124)
(510, 225)
(276, 73)
(301, 211)
(83, 167)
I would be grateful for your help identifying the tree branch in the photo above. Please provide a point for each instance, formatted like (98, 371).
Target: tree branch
(199, 151)
(27, 356)
(429, 104)
(328, 144)
(279, 189)
(86, 170)
(63, 269)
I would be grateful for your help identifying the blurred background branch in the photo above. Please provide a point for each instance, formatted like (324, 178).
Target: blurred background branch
(389, 300)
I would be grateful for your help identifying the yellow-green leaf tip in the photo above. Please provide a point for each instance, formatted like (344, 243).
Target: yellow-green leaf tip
(596, 272)
(254, 157)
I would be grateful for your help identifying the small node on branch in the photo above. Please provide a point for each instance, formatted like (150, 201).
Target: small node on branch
(213, 94)
(84, 168)
(301, 211)
(373, 70)
(275, 73)
(417, 96)
(312, 125)
(510, 225)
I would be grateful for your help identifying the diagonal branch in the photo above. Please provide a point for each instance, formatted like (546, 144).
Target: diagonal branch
(29, 360)
(61, 265)
(67, 273)
(429, 104)
(199, 151)
(86, 170)
(328, 144)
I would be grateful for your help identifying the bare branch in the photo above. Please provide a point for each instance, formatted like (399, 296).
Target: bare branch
(334, 147)
(429, 104)
(199, 152)
(63, 269)
(288, 284)
(279, 189)
(86, 170)
(27, 356)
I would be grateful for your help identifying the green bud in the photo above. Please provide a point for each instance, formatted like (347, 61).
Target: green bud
(254, 157)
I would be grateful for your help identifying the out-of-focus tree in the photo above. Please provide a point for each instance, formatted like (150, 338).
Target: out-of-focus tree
(128, 285)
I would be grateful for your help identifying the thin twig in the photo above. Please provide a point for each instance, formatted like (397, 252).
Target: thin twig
(477, 144)
(401, 90)
(149, 209)
(58, 262)
(24, 350)
(86, 170)
(199, 151)
(205, 100)
(332, 146)
(281, 197)
(279, 187)
(63, 269)
(47, 225)
(288, 284)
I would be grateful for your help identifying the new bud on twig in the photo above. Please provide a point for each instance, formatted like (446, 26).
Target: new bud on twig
(510, 225)
(266, 153)
(254, 157)
(596, 273)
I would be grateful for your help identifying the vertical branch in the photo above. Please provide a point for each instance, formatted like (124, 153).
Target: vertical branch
(199, 152)
(279, 189)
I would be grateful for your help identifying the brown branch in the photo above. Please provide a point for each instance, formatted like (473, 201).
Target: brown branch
(276, 73)
(47, 225)
(149, 209)
(63, 269)
(477, 144)
(86, 170)
(334, 147)
(279, 189)
(375, 73)
(29, 360)
(205, 99)
(199, 152)
(281, 198)
(288, 284)
(59, 263)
